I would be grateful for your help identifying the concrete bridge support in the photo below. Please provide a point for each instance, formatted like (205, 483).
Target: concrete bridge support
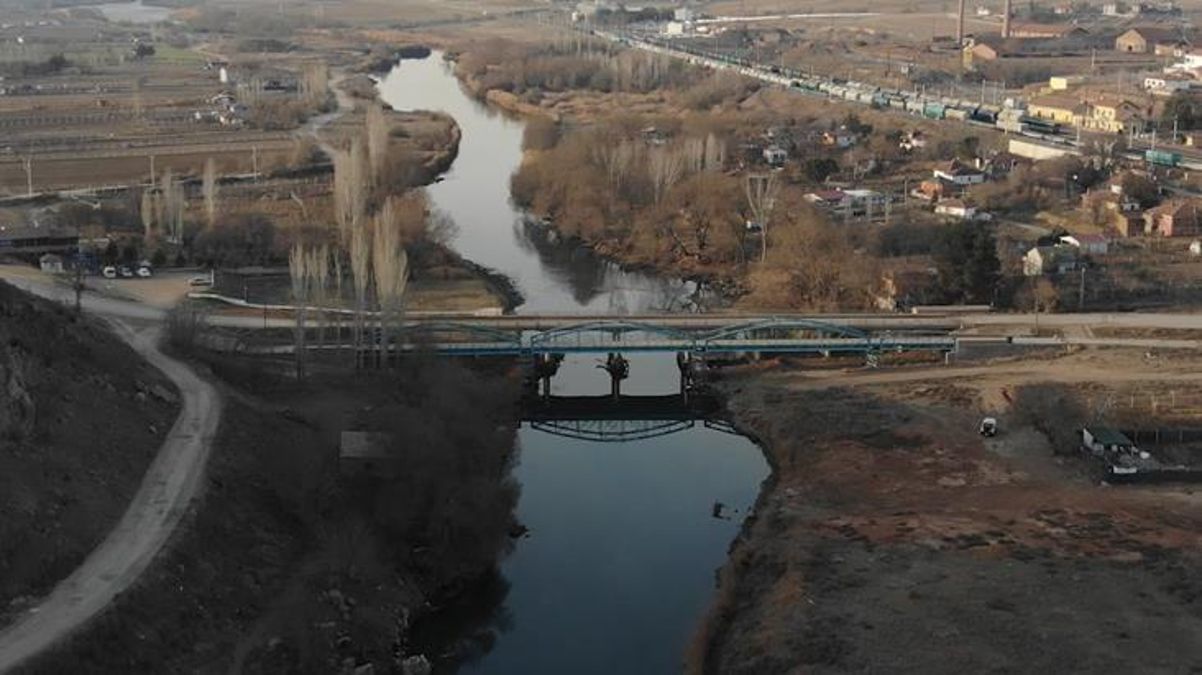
(619, 369)
(545, 367)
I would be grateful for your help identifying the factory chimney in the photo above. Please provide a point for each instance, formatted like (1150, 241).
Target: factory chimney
(960, 25)
(1006, 13)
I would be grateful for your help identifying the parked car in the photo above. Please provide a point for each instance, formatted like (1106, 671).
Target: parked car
(200, 281)
(109, 272)
(988, 427)
(144, 272)
(125, 272)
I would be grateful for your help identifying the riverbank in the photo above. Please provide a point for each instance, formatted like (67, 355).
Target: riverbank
(892, 537)
(294, 564)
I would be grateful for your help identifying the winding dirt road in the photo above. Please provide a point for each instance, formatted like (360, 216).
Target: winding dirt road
(170, 484)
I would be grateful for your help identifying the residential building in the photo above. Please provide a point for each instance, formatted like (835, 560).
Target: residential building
(51, 263)
(866, 202)
(1065, 82)
(1191, 61)
(1046, 31)
(1106, 441)
(1145, 39)
(1168, 84)
(1114, 115)
(1089, 244)
(840, 138)
(827, 199)
(958, 208)
(1042, 260)
(1060, 108)
(959, 174)
(1174, 218)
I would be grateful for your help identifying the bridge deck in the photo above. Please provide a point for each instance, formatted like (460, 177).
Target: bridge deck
(726, 346)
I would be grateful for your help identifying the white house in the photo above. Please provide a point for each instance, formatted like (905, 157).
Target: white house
(1089, 244)
(956, 208)
(51, 263)
(1190, 61)
(959, 174)
(684, 14)
(1167, 85)
(676, 28)
(1050, 260)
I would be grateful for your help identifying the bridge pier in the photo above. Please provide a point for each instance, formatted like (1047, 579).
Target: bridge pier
(691, 368)
(545, 367)
(619, 369)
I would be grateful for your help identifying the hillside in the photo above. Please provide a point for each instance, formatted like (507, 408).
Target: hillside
(81, 416)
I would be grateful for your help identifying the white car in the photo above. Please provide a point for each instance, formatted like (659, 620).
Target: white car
(109, 272)
(145, 272)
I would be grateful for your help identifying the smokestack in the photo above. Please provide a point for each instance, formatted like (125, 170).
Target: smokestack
(960, 25)
(1006, 19)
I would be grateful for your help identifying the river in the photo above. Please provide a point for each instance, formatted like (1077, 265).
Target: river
(133, 12)
(619, 563)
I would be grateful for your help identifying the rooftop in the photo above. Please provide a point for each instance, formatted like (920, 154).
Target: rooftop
(1109, 436)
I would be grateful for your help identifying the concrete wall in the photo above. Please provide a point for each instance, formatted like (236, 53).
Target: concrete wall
(1037, 151)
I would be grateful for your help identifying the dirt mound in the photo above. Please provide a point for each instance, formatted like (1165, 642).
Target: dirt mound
(81, 416)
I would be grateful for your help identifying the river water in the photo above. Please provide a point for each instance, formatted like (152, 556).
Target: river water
(619, 564)
(133, 12)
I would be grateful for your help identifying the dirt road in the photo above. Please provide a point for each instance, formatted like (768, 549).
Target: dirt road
(171, 483)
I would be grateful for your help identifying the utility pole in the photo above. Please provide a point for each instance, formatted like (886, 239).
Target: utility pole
(1081, 291)
(27, 162)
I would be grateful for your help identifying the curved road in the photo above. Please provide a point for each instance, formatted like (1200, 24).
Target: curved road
(170, 484)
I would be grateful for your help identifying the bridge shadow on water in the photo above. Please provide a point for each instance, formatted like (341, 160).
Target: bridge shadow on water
(608, 419)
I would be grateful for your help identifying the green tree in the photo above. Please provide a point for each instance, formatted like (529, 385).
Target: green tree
(1184, 109)
(818, 169)
(967, 261)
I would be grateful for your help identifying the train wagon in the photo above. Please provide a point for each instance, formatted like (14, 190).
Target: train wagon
(1039, 126)
(956, 114)
(934, 110)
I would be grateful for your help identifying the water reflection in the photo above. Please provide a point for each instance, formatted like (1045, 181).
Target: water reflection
(618, 563)
(491, 231)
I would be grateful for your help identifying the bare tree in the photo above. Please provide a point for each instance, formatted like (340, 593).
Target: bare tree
(298, 261)
(209, 190)
(351, 189)
(148, 213)
(317, 270)
(693, 154)
(762, 190)
(665, 167)
(171, 207)
(391, 267)
(361, 278)
(615, 157)
(316, 83)
(376, 126)
(715, 153)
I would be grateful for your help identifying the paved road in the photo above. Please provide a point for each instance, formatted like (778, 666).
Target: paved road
(171, 482)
